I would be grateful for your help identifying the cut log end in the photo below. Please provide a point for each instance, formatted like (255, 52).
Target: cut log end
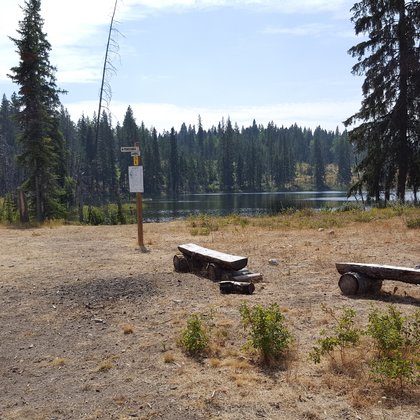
(352, 283)
(181, 264)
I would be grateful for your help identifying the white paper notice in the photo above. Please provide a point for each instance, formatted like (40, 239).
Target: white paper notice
(135, 179)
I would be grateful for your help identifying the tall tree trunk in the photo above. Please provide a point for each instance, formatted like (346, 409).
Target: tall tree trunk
(38, 199)
(401, 117)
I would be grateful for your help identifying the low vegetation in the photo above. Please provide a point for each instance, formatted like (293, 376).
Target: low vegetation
(267, 331)
(390, 349)
(386, 349)
(203, 225)
(344, 335)
(194, 338)
(397, 344)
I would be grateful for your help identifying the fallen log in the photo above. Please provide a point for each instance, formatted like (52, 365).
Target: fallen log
(238, 287)
(242, 275)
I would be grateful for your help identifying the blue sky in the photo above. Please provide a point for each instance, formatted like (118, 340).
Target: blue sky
(268, 60)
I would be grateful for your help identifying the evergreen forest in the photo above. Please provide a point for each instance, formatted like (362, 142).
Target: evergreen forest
(225, 158)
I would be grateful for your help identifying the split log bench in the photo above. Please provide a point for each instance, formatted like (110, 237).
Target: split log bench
(229, 270)
(367, 278)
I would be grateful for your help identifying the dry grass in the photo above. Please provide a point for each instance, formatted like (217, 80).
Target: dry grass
(71, 291)
(168, 357)
(128, 329)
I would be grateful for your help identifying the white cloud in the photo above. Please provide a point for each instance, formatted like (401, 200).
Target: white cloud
(76, 30)
(284, 6)
(310, 29)
(328, 115)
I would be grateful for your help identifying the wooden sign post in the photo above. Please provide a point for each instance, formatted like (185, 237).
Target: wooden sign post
(135, 178)
(139, 201)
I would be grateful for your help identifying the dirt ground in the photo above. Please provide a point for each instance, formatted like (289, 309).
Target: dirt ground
(89, 324)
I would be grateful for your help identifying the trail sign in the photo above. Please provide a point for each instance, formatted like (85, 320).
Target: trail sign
(132, 149)
(135, 179)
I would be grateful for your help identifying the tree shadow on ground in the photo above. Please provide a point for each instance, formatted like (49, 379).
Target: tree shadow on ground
(389, 297)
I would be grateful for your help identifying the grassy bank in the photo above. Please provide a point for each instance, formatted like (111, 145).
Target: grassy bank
(306, 219)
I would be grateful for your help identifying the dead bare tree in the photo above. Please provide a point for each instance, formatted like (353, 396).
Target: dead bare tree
(108, 70)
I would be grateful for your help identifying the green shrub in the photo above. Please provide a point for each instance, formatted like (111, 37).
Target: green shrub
(387, 330)
(95, 216)
(397, 341)
(8, 209)
(203, 224)
(200, 231)
(364, 217)
(237, 220)
(345, 334)
(413, 223)
(268, 335)
(194, 338)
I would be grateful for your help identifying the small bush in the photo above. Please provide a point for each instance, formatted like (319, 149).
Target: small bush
(364, 217)
(344, 335)
(268, 335)
(199, 231)
(397, 341)
(8, 209)
(95, 216)
(194, 338)
(237, 220)
(413, 223)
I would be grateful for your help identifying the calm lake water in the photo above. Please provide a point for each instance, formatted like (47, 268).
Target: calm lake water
(244, 204)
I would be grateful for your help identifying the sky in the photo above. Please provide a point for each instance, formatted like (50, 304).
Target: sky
(284, 61)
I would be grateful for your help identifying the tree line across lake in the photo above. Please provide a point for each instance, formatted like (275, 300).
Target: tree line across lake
(93, 171)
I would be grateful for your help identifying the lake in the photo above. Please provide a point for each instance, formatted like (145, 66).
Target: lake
(244, 204)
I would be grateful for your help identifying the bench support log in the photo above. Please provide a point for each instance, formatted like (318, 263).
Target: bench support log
(352, 283)
(181, 264)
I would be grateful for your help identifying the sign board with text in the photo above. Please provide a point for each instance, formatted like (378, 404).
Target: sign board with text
(135, 179)
(132, 149)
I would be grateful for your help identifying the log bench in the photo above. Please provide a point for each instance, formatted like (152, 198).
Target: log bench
(367, 278)
(230, 270)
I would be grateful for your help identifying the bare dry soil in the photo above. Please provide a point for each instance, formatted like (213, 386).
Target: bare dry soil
(90, 325)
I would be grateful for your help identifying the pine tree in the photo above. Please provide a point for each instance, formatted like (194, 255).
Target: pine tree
(318, 160)
(343, 158)
(388, 136)
(174, 171)
(9, 175)
(42, 144)
(127, 135)
(200, 137)
(226, 158)
(156, 180)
